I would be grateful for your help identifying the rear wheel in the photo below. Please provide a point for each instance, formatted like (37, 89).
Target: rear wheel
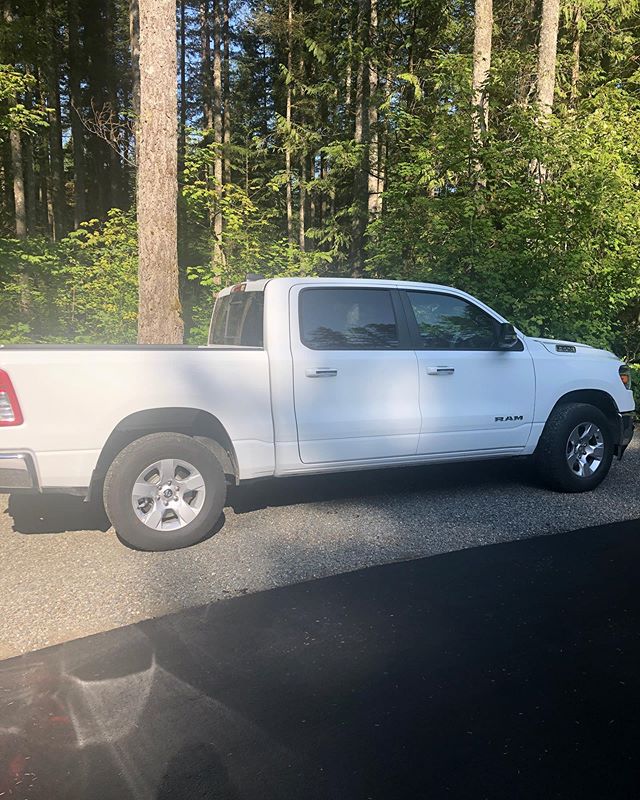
(164, 491)
(576, 448)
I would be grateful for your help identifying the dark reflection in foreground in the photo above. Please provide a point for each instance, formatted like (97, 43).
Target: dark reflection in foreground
(508, 671)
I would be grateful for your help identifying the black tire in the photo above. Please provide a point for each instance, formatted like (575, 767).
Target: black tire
(128, 465)
(551, 453)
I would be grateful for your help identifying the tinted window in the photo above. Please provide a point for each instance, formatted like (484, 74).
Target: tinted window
(348, 319)
(451, 323)
(237, 319)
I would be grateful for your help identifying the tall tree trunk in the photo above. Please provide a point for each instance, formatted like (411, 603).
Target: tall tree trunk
(361, 140)
(288, 118)
(348, 80)
(56, 157)
(205, 60)
(218, 220)
(183, 90)
(77, 128)
(546, 76)
(226, 92)
(480, 79)
(15, 145)
(15, 141)
(302, 211)
(547, 51)
(373, 174)
(575, 62)
(159, 312)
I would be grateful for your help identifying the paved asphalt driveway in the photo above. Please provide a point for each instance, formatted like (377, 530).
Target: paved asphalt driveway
(61, 577)
(493, 673)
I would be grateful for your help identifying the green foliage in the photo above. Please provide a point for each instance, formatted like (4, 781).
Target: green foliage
(16, 115)
(82, 289)
(559, 256)
(560, 259)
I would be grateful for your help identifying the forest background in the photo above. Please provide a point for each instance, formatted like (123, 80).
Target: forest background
(494, 146)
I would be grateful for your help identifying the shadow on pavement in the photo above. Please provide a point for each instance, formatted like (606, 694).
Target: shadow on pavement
(394, 481)
(507, 671)
(55, 513)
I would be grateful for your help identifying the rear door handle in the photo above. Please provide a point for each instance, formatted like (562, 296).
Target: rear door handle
(440, 370)
(321, 372)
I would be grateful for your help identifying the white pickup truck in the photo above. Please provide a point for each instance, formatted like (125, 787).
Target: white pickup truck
(303, 376)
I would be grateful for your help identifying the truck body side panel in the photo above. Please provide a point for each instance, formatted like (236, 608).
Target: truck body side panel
(73, 399)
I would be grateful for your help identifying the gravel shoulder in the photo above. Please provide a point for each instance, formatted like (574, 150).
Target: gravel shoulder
(64, 575)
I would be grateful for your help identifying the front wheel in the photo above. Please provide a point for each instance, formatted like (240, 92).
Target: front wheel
(576, 448)
(164, 491)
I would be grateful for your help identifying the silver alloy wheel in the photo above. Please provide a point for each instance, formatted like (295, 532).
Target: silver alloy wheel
(168, 494)
(585, 449)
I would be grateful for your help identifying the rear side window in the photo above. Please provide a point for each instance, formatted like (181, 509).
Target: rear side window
(348, 319)
(238, 320)
(446, 322)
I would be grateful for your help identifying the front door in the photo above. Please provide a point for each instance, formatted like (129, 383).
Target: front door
(473, 397)
(355, 374)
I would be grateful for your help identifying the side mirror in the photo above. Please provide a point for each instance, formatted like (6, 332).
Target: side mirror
(507, 336)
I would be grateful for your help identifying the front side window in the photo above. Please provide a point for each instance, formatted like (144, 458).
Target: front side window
(446, 322)
(348, 319)
(238, 319)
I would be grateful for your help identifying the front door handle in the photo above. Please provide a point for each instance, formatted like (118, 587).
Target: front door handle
(440, 370)
(321, 372)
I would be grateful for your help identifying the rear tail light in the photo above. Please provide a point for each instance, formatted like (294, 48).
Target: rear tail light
(625, 375)
(10, 412)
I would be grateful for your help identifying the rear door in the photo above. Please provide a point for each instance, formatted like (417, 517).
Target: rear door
(473, 396)
(355, 374)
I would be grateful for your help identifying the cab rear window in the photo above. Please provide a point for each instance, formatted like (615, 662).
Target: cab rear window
(238, 320)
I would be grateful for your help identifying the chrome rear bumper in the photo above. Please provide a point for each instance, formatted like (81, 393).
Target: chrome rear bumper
(17, 472)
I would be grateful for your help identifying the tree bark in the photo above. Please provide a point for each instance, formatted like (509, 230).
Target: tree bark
(159, 311)
(302, 211)
(15, 141)
(481, 70)
(17, 168)
(226, 92)
(205, 59)
(547, 52)
(348, 80)
(373, 175)
(218, 220)
(183, 89)
(361, 140)
(288, 118)
(546, 75)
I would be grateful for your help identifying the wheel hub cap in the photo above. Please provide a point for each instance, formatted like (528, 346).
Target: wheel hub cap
(585, 449)
(168, 494)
